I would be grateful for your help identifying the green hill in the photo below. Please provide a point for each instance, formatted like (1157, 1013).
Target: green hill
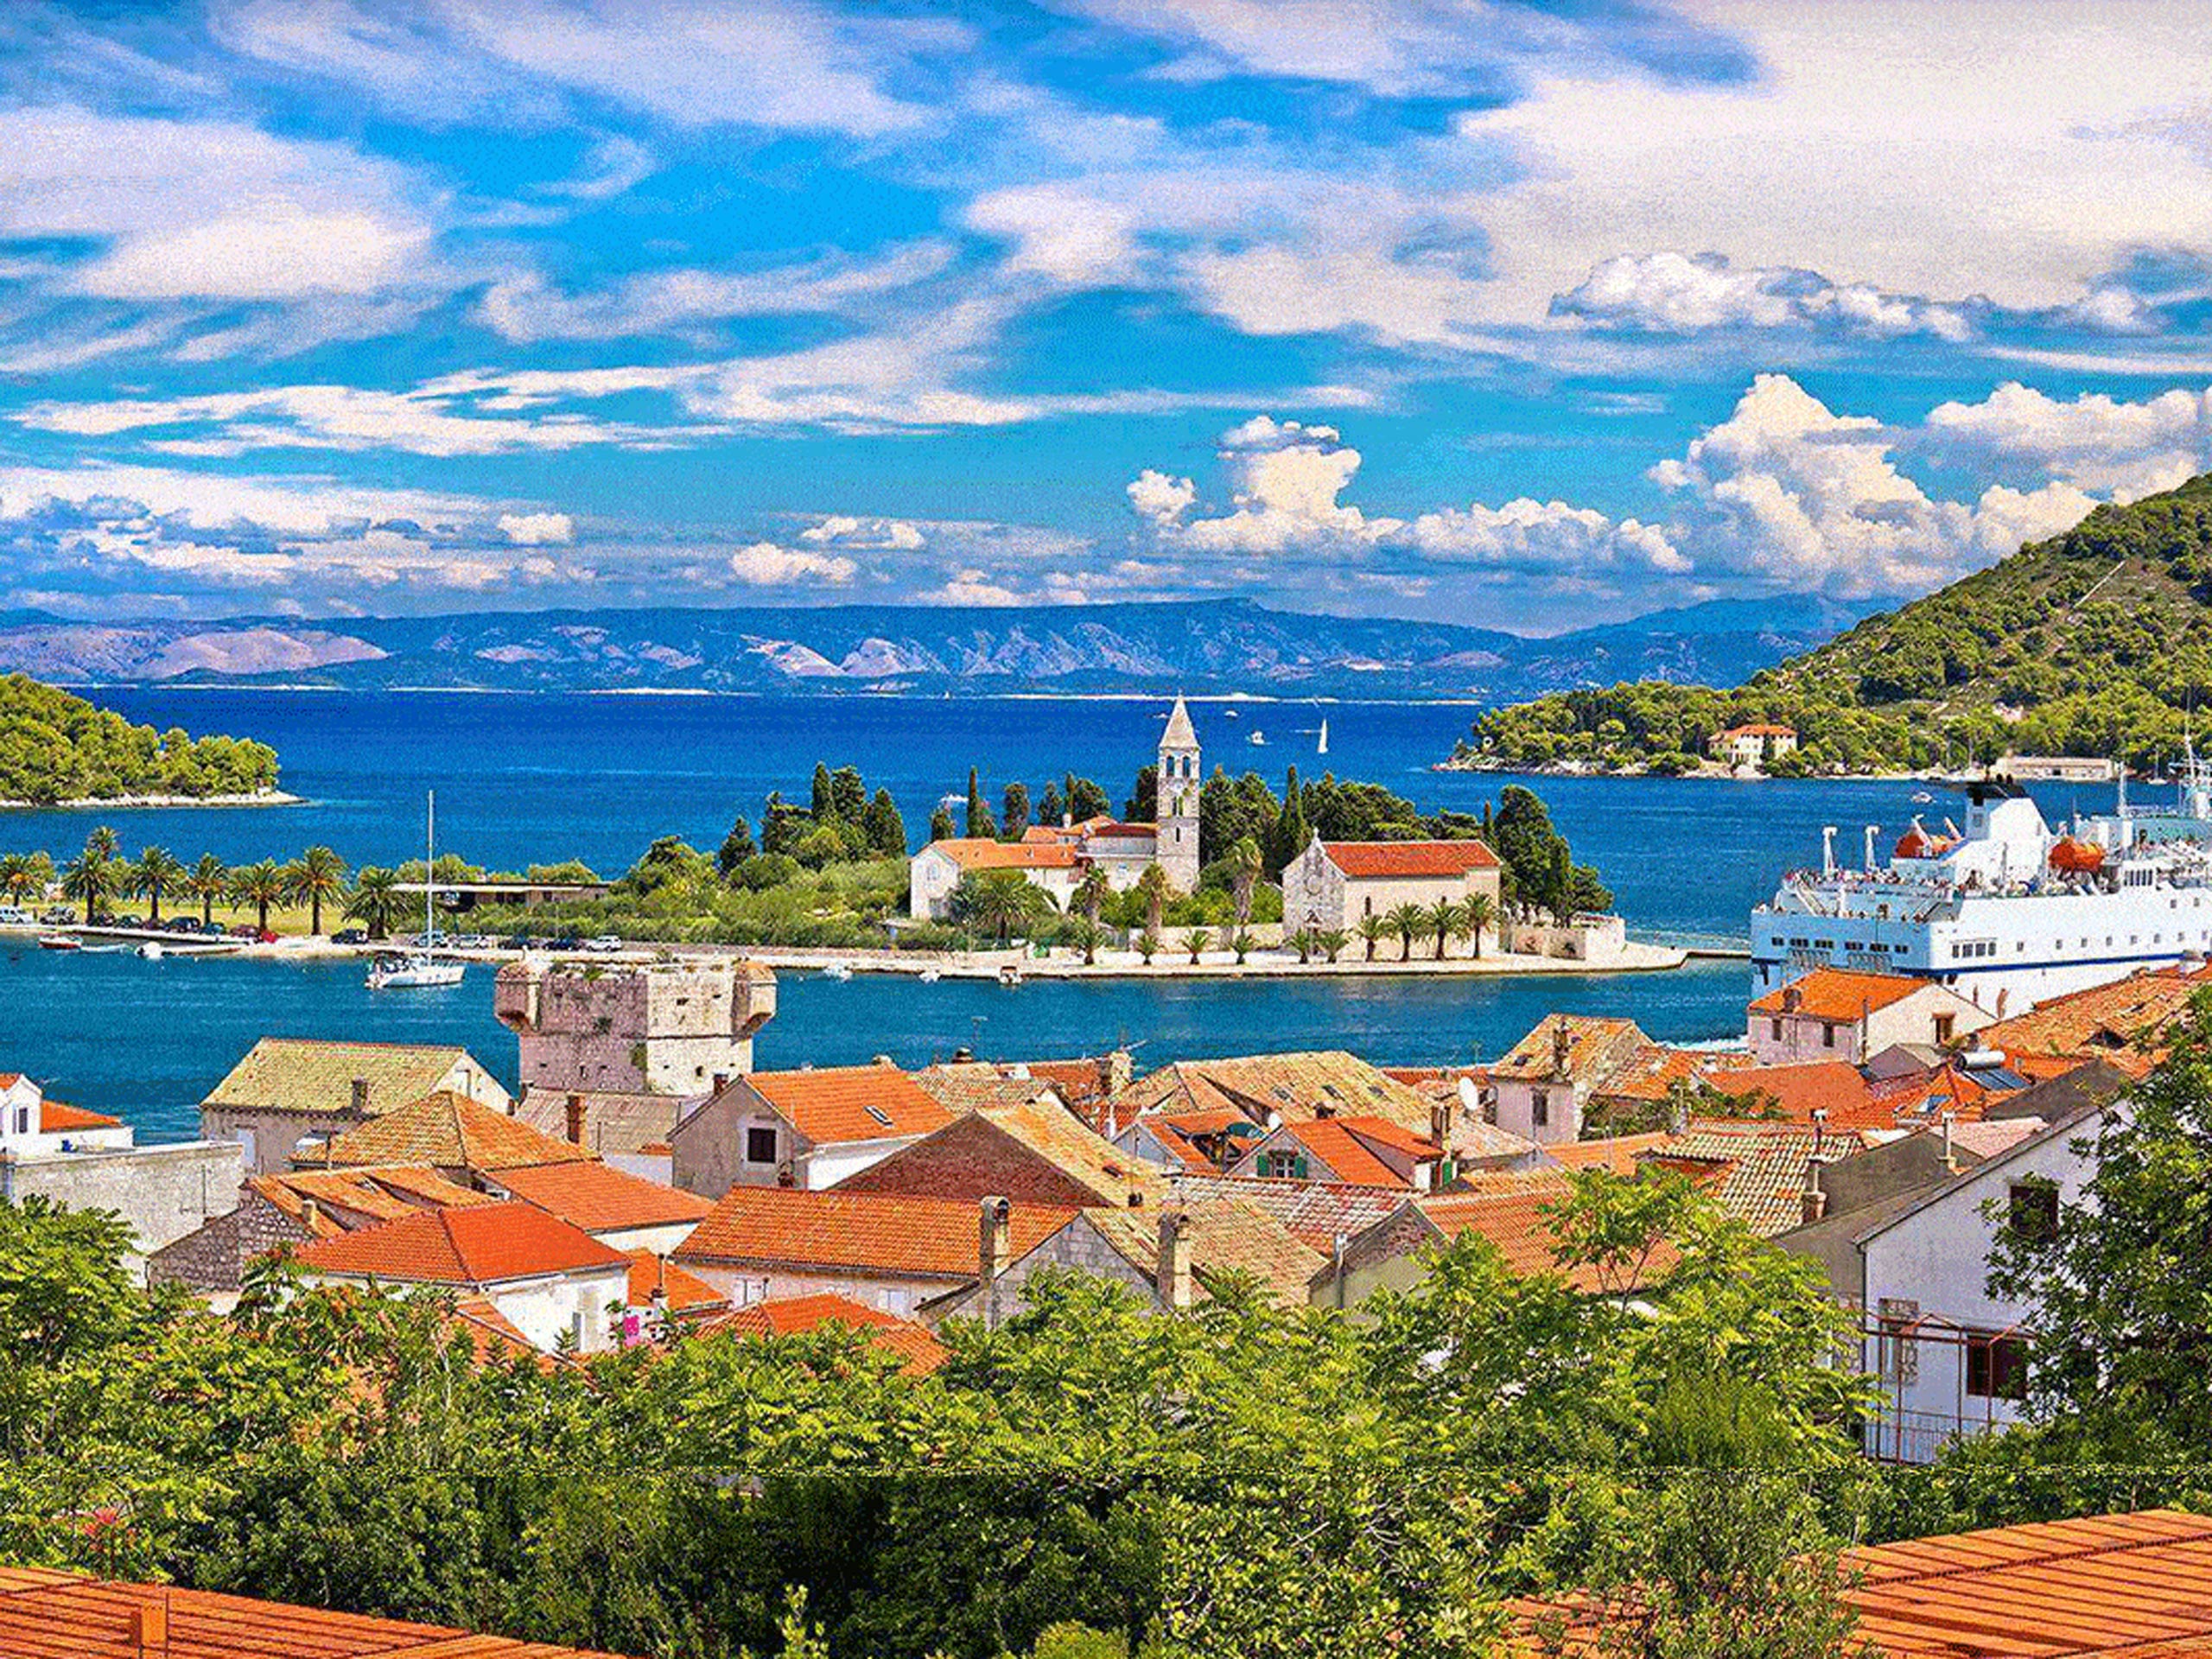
(2097, 642)
(57, 747)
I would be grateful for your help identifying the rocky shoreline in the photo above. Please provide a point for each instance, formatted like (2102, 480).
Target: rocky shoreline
(128, 802)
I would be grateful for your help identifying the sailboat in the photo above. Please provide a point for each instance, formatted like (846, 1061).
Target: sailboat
(1322, 747)
(420, 968)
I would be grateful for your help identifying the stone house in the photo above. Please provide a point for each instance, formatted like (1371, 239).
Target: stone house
(461, 1138)
(553, 1283)
(1543, 1085)
(1333, 884)
(1364, 1150)
(1749, 745)
(290, 1088)
(812, 1127)
(1032, 1152)
(1055, 867)
(1834, 1014)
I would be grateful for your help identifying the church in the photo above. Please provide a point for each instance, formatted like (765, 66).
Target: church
(1057, 857)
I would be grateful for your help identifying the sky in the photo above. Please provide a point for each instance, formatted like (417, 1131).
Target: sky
(1528, 315)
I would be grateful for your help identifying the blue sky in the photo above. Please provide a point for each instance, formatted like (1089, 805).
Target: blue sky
(1528, 315)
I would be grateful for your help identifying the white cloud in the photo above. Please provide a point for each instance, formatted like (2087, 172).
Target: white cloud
(841, 530)
(1160, 497)
(1790, 492)
(1673, 293)
(971, 588)
(281, 253)
(2094, 442)
(764, 564)
(537, 529)
(1544, 536)
(1286, 482)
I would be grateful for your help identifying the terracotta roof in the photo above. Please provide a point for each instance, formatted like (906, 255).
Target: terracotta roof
(1617, 1153)
(1179, 1132)
(1838, 993)
(972, 1085)
(792, 1316)
(1077, 1151)
(2099, 1588)
(686, 1293)
(1294, 1086)
(1316, 1212)
(849, 1102)
(1347, 1146)
(977, 852)
(2119, 1022)
(1515, 1221)
(1760, 1167)
(371, 1194)
(600, 1200)
(55, 1118)
(888, 1235)
(49, 1615)
(299, 1074)
(487, 1245)
(1384, 859)
(1653, 1069)
(449, 1131)
(1224, 1235)
(1116, 829)
(1834, 1086)
(1757, 728)
(1595, 1047)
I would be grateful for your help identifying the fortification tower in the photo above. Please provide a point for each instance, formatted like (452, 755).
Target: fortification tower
(1176, 812)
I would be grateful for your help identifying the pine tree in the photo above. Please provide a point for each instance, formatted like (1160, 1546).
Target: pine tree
(823, 805)
(885, 830)
(942, 827)
(847, 795)
(1050, 806)
(782, 825)
(736, 847)
(1087, 800)
(1017, 810)
(980, 826)
(1143, 805)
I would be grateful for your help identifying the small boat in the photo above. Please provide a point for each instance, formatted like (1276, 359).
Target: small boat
(151, 950)
(420, 969)
(840, 971)
(1230, 714)
(1322, 747)
(1009, 976)
(930, 975)
(1919, 795)
(60, 942)
(1258, 740)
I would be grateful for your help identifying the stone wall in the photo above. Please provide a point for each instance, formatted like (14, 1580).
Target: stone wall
(211, 1262)
(666, 1029)
(162, 1191)
(1078, 1248)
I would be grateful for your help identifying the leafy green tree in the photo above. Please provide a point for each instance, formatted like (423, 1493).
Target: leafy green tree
(90, 879)
(210, 880)
(1143, 805)
(847, 796)
(1153, 887)
(765, 872)
(1087, 800)
(782, 825)
(737, 846)
(997, 902)
(883, 829)
(1148, 945)
(19, 884)
(375, 902)
(980, 824)
(317, 877)
(157, 872)
(1078, 933)
(1477, 914)
(1050, 806)
(104, 843)
(1091, 893)
(1332, 942)
(262, 886)
(1287, 839)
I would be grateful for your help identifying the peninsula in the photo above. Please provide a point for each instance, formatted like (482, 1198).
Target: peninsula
(57, 749)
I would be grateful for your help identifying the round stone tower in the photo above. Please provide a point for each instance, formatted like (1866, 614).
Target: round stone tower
(1177, 811)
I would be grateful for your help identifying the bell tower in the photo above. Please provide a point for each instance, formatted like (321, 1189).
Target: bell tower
(1177, 809)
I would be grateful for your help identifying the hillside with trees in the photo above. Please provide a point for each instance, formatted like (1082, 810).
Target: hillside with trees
(55, 747)
(2096, 642)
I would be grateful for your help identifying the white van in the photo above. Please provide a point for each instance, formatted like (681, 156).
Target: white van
(16, 916)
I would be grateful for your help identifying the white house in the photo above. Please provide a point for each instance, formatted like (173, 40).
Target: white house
(1951, 1358)
(33, 1125)
(1333, 884)
(1054, 867)
(1747, 746)
(1834, 1014)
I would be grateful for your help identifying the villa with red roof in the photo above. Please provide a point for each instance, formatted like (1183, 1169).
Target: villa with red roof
(1333, 884)
(811, 1127)
(1834, 1013)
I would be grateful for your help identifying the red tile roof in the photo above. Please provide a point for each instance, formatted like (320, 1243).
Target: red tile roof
(1371, 860)
(792, 1316)
(49, 1615)
(55, 1118)
(490, 1245)
(600, 1200)
(831, 1104)
(973, 853)
(685, 1292)
(449, 1131)
(1838, 993)
(1617, 1153)
(1834, 1086)
(890, 1235)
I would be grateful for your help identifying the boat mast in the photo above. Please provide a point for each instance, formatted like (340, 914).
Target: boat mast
(429, 864)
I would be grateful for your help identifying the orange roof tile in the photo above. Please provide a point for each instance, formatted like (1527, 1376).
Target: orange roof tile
(1223, 1235)
(1316, 1212)
(1387, 860)
(973, 853)
(55, 1118)
(490, 1245)
(1834, 1086)
(1838, 994)
(792, 1316)
(372, 1194)
(1595, 1047)
(1292, 1085)
(600, 1200)
(2120, 1022)
(685, 1292)
(1515, 1220)
(1617, 1153)
(888, 1234)
(50, 1615)
(449, 1131)
(1760, 1166)
(850, 1102)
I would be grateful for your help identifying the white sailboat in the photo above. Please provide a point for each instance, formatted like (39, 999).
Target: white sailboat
(420, 968)
(1322, 747)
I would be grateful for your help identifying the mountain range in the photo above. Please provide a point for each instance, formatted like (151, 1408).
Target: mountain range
(1213, 646)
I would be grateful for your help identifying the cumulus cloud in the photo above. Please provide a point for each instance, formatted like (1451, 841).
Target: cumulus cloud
(2094, 442)
(1673, 293)
(764, 564)
(1286, 484)
(1160, 497)
(842, 529)
(1529, 534)
(537, 529)
(972, 586)
(1798, 495)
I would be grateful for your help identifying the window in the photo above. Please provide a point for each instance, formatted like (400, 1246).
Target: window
(2031, 1211)
(1944, 1024)
(1777, 1031)
(760, 1144)
(1827, 1036)
(1540, 1113)
(1283, 1164)
(1996, 1367)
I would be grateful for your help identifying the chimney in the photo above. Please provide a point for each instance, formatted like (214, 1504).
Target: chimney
(575, 1120)
(722, 1081)
(994, 1253)
(1562, 1045)
(150, 1629)
(1820, 1128)
(1440, 1126)
(1174, 1269)
(360, 1097)
(1116, 1071)
(310, 1213)
(1949, 1161)
(1816, 1202)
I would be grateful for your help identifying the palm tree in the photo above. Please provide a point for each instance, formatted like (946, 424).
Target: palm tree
(1444, 919)
(1241, 944)
(155, 874)
(1477, 913)
(1405, 921)
(1372, 930)
(996, 901)
(89, 879)
(1083, 935)
(1090, 893)
(1245, 866)
(261, 885)
(1154, 886)
(104, 842)
(1331, 940)
(1198, 938)
(1148, 945)
(316, 874)
(375, 901)
(18, 881)
(209, 881)
(1302, 942)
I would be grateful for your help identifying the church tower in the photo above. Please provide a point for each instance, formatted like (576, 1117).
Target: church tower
(1177, 811)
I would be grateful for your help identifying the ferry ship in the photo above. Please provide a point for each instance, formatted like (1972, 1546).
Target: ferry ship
(2007, 911)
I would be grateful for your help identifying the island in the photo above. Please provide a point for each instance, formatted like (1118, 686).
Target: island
(59, 750)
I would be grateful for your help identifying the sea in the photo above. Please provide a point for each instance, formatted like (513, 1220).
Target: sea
(524, 778)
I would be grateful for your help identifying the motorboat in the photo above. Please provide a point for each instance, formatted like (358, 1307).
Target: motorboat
(930, 975)
(1009, 976)
(60, 942)
(1258, 740)
(840, 971)
(419, 969)
(151, 950)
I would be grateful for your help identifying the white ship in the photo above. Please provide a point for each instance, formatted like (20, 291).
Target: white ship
(2007, 911)
(420, 970)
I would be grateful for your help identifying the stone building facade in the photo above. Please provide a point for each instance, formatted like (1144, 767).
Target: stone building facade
(210, 1261)
(634, 1027)
(1333, 884)
(1176, 814)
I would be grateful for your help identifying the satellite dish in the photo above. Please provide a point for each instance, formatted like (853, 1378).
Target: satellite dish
(1469, 1096)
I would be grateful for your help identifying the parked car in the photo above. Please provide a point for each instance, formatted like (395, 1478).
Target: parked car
(12, 917)
(564, 942)
(245, 931)
(181, 924)
(126, 921)
(350, 935)
(59, 915)
(605, 943)
(516, 942)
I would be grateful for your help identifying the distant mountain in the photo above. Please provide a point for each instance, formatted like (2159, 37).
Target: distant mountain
(1202, 646)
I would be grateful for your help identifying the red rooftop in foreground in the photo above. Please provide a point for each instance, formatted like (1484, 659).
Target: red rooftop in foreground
(48, 1615)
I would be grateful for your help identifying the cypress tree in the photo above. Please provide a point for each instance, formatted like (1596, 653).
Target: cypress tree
(1017, 810)
(736, 847)
(1289, 837)
(847, 795)
(823, 805)
(885, 830)
(980, 825)
(1052, 806)
(942, 828)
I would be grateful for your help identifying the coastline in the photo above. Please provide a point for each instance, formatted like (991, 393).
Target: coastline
(1701, 774)
(125, 803)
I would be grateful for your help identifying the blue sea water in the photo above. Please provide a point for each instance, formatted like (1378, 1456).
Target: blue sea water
(538, 779)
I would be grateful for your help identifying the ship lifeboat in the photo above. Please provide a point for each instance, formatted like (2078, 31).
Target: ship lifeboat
(2073, 856)
(1917, 842)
